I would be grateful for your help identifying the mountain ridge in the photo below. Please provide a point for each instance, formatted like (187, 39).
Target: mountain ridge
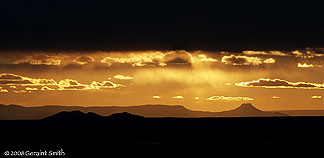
(17, 112)
(81, 116)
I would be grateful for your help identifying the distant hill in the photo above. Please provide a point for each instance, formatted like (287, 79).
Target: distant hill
(303, 112)
(124, 116)
(80, 116)
(73, 115)
(16, 112)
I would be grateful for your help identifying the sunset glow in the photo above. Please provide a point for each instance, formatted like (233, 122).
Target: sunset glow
(222, 80)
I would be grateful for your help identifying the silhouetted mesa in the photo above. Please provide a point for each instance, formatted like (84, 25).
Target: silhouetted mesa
(248, 110)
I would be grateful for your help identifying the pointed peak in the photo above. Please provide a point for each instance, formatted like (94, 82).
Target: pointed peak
(247, 104)
(247, 107)
(248, 110)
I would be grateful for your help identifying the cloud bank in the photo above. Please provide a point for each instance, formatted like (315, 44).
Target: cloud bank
(238, 60)
(21, 84)
(278, 83)
(229, 98)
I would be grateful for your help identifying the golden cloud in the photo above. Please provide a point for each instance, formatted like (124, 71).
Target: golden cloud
(305, 65)
(13, 81)
(7, 76)
(2, 90)
(31, 88)
(83, 60)
(177, 57)
(275, 97)
(278, 83)
(224, 98)
(155, 58)
(135, 59)
(245, 60)
(269, 61)
(104, 85)
(278, 53)
(122, 77)
(45, 88)
(40, 59)
(37, 81)
(70, 84)
(178, 97)
(256, 53)
(151, 58)
(202, 58)
(316, 97)
(156, 97)
(274, 53)
(305, 53)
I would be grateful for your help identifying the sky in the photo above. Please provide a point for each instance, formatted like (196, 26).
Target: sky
(123, 25)
(199, 80)
(206, 55)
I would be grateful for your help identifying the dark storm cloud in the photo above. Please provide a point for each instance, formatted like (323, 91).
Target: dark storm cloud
(233, 25)
(30, 58)
(40, 59)
(10, 57)
(177, 57)
(235, 60)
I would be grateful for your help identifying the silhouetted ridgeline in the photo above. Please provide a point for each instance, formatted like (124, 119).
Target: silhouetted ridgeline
(16, 112)
(90, 116)
(128, 135)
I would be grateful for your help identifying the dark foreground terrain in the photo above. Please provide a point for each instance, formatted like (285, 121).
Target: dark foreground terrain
(127, 135)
